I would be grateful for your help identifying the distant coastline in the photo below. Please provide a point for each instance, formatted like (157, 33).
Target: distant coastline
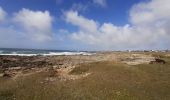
(35, 52)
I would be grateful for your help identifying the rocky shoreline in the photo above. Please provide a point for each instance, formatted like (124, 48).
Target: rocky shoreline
(11, 66)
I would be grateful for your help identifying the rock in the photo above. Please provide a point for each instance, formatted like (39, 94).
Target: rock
(158, 61)
(1, 74)
(7, 75)
(18, 61)
(14, 68)
(55, 67)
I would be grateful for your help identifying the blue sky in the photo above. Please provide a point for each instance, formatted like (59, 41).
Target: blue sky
(115, 11)
(85, 24)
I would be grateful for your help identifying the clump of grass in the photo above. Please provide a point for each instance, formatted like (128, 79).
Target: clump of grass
(79, 70)
(7, 95)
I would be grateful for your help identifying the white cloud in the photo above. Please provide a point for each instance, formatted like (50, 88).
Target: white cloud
(155, 11)
(37, 24)
(152, 16)
(85, 24)
(2, 14)
(149, 28)
(100, 2)
(27, 29)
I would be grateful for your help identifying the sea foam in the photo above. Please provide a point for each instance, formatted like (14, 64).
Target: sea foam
(50, 54)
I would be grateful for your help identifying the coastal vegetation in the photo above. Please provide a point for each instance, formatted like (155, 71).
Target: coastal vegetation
(108, 80)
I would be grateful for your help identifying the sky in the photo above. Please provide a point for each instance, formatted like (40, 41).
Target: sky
(85, 24)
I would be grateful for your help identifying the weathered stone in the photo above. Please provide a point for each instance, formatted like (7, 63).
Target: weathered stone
(157, 61)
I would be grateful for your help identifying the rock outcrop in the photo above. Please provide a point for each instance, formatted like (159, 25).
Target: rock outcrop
(157, 61)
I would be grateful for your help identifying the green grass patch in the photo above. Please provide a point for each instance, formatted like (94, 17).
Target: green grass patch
(80, 70)
(6, 95)
(108, 81)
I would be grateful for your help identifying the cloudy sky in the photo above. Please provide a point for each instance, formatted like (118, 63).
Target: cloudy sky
(85, 24)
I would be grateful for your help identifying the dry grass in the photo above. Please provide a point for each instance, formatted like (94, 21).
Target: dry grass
(108, 81)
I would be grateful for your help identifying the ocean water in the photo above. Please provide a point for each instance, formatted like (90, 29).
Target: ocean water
(35, 52)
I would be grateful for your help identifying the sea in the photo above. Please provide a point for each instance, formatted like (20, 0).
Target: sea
(36, 52)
